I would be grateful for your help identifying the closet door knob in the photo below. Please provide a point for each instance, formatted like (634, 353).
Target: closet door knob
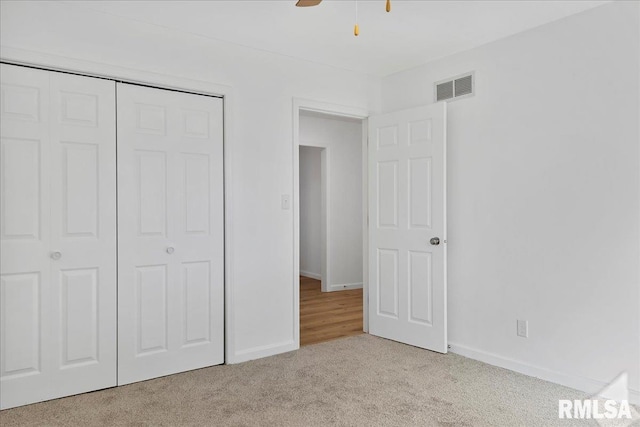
(56, 255)
(170, 250)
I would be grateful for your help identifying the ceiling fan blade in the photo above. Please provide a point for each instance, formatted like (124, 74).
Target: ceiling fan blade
(307, 3)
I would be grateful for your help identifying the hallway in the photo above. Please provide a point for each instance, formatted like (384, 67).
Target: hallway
(325, 316)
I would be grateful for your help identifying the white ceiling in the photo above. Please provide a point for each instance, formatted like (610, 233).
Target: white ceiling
(413, 33)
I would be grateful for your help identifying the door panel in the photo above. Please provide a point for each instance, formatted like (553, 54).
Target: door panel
(387, 291)
(21, 213)
(79, 316)
(420, 193)
(80, 189)
(387, 194)
(21, 307)
(196, 279)
(25, 285)
(58, 235)
(151, 197)
(420, 287)
(170, 232)
(151, 309)
(407, 206)
(83, 231)
(196, 193)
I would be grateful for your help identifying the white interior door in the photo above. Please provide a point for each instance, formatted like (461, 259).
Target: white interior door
(407, 213)
(170, 232)
(58, 235)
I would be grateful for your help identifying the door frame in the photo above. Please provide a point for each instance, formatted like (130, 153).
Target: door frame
(50, 62)
(301, 104)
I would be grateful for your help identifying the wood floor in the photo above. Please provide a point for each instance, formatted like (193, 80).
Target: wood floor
(325, 316)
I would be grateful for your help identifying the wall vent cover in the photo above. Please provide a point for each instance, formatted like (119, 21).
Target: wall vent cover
(444, 90)
(455, 87)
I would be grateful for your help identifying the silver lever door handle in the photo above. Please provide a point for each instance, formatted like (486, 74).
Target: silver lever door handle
(435, 241)
(56, 255)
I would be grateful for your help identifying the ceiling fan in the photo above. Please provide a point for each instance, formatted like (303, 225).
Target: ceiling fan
(307, 3)
(356, 29)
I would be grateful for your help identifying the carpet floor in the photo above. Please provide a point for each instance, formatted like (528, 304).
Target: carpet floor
(356, 381)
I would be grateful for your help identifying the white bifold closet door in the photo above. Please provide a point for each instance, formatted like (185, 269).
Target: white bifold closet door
(58, 235)
(170, 232)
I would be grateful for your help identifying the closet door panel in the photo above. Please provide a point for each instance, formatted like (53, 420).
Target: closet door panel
(57, 319)
(83, 232)
(25, 237)
(170, 228)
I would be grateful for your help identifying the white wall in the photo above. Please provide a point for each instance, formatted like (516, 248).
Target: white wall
(259, 136)
(544, 215)
(343, 137)
(310, 212)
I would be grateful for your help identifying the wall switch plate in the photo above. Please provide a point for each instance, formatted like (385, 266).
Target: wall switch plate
(523, 328)
(286, 202)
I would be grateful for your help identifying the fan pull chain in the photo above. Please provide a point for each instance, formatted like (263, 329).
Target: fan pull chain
(356, 28)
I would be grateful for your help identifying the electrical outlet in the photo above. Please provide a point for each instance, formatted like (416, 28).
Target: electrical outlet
(523, 328)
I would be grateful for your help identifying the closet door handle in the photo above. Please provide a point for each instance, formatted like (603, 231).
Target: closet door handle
(170, 250)
(56, 255)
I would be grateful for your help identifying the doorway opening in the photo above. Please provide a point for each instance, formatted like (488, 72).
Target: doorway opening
(404, 256)
(331, 226)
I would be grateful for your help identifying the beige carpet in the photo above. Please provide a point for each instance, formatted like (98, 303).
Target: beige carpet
(357, 381)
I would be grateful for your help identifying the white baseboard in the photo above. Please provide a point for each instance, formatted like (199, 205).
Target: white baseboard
(587, 385)
(345, 286)
(262, 351)
(311, 275)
